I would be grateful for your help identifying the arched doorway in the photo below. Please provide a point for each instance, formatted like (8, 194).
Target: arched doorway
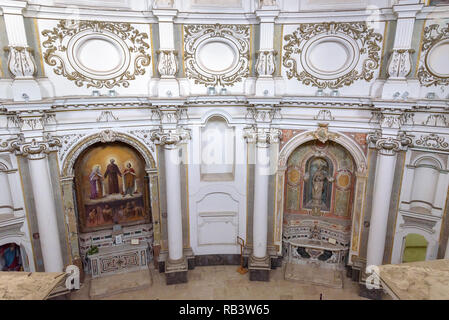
(319, 187)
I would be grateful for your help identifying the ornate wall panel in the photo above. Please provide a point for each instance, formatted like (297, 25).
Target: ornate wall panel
(355, 48)
(216, 55)
(76, 52)
(433, 67)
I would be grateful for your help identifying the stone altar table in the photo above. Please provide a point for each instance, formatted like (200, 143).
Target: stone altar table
(119, 259)
(316, 252)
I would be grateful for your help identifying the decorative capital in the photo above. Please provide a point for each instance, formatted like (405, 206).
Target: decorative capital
(265, 64)
(167, 64)
(21, 63)
(30, 121)
(400, 63)
(322, 133)
(170, 138)
(389, 145)
(262, 136)
(392, 119)
(168, 115)
(34, 149)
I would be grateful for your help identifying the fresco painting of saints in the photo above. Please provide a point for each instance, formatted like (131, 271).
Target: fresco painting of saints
(110, 187)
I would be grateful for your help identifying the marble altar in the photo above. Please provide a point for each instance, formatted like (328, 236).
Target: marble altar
(119, 259)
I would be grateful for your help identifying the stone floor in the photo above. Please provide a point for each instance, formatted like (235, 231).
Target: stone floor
(222, 283)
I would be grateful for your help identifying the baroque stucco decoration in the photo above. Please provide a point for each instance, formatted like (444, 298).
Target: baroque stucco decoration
(21, 63)
(434, 37)
(362, 44)
(233, 38)
(64, 42)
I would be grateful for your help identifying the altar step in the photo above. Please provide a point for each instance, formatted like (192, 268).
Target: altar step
(314, 275)
(106, 286)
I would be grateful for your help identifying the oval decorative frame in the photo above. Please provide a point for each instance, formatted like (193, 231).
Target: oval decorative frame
(349, 45)
(62, 44)
(76, 43)
(231, 45)
(433, 37)
(428, 59)
(365, 42)
(235, 36)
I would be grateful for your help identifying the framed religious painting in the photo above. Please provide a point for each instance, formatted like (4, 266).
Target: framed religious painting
(111, 187)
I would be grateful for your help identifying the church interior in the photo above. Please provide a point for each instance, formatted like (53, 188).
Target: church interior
(277, 149)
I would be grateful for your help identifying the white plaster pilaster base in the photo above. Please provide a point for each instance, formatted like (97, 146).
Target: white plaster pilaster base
(29, 87)
(265, 87)
(168, 88)
(6, 89)
(259, 263)
(176, 266)
(392, 86)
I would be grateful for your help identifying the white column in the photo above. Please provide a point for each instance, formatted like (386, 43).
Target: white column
(383, 186)
(6, 204)
(46, 213)
(173, 191)
(261, 180)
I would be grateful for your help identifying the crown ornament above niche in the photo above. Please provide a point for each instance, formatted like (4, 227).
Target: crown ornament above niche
(68, 46)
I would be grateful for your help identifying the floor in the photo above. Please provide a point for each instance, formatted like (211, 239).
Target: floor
(222, 283)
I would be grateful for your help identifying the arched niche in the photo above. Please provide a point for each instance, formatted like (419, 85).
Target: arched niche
(360, 180)
(425, 181)
(217, 149)
(25, 250)
(69, 187)
(320, 176)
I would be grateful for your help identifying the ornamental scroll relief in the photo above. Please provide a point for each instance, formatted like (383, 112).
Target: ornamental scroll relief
(361, 45)
(64, 45)
(227, 68)
(433, 61)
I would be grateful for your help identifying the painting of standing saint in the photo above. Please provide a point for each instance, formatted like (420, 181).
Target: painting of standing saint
(111, 187)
